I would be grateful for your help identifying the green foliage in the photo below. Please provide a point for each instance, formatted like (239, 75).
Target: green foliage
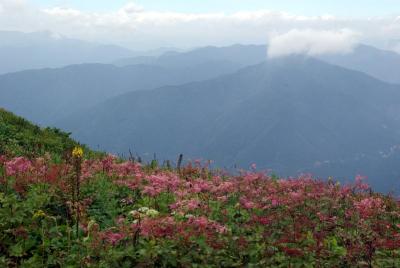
(31, 236)
(129, 215)
(106, 200)
(19, 137)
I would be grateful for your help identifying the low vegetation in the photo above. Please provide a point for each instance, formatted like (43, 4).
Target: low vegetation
(93, 210)
(122, 214)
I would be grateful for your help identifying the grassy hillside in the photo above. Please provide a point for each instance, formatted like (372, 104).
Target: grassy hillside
(19, 137)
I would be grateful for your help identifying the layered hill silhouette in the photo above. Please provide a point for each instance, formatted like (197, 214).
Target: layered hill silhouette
(381, 64)
(236, 54)
(21, 51)
(45, 96)
(292, 115)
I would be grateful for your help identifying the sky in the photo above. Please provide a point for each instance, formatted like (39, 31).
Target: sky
(309, 26)
(349, 8)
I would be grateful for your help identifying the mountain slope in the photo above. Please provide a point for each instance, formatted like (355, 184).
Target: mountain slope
(45, 96)
(20, 137)
(292, 115)
(381, 64)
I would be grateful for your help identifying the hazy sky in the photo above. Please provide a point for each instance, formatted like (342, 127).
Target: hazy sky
(306, 7)
(314, 26)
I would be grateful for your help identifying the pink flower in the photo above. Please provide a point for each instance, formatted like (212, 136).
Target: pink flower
(160, 227)
(199, 186)
(107, 162)
(152, 191)
(274, 202)
(224, 187)
(247, 204)
(360, 184)
(193, 204)
(261, 220)
(220, 229)
(369, 206)
(113, 238)
(18, 165)
(200, 222)
(159, 183)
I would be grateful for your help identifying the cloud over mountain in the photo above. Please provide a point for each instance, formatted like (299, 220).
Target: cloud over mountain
(312, 42)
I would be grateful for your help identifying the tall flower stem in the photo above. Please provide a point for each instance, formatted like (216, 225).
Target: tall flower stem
(77, 192)
(77, 155)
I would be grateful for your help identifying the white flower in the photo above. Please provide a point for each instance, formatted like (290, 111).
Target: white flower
(143, 209)
(152, 213)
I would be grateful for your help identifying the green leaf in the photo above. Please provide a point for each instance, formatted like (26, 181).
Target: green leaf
(17, 250)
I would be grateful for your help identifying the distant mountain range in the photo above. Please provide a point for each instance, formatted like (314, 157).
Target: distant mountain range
(381, 64)
(21, 51)
(292, 115)
(236, 54)
(45, 96)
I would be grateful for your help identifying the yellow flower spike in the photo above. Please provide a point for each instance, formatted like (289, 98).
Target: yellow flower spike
(77, 152)
(39, 214)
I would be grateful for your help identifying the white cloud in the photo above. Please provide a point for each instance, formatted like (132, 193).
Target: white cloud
(312, 42)
(6, 5)
(60, 12)
(138, 28)
(131, 8)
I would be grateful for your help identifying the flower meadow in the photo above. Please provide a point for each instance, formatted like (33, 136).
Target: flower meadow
(106, 212)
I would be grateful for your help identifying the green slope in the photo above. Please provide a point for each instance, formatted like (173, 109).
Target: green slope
(20, 137)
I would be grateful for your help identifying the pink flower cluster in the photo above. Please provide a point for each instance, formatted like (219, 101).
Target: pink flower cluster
(18, 165)
(186, 205)
(168, 226)
(203, 224)
(113, 238)
(112, 167)
(158, 183)
(369, 206)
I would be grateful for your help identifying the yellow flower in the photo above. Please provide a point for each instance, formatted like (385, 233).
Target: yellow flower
(39, 214)
(77, 152)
